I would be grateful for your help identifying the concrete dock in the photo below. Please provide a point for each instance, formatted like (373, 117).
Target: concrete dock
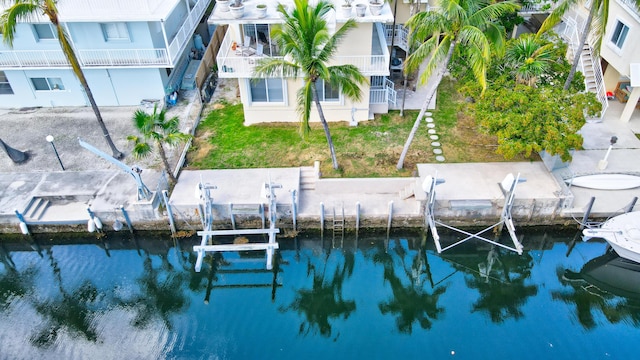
(470, 194)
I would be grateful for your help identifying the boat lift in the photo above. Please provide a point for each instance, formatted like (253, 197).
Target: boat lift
(205, 246)
(508, 186)
(143, 191)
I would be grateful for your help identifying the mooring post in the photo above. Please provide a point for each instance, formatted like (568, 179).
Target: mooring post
(23, 223)
(390, 217)
(165, 199)
(233, 219)
(126, 219)
(631, 205)
(585, 218)
(357, 218)
(321, 219)
(262, 215)
(294, 210)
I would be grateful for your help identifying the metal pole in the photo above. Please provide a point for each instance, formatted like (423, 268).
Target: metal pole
(294, 210)
(165, 198)
(321, 219)
(50, 140)
(390, 217)
(233, 220)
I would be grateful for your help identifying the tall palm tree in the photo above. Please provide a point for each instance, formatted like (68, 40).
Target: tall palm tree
(596, 23)
(25, 10)
(161, 130)
(308, 47)
(529, 57)
(468, 25)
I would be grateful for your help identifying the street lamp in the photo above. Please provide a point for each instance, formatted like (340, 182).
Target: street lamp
(602, 164)
(50, 140)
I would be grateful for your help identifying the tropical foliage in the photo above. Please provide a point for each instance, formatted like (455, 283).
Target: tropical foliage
(527, 118)
(26, 10)
(157, 128)
(470, 28)
(308, 47)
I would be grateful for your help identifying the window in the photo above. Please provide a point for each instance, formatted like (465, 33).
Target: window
(47, 84)
(45, 31)
(115, 31)
(267, 90)
(259, 34)
(326, 93)
(5, 87)
(619, 34)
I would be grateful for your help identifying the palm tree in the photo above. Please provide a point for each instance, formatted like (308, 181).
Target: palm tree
(598, 15)
(308, 47)
(468, 25)
(529, 57)
(24, 10)
(161, 130)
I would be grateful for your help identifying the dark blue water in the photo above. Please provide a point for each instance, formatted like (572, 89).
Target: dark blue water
(369, 298)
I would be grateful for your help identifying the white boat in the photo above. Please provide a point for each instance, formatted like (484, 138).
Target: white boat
(622, 233)
(606, 181)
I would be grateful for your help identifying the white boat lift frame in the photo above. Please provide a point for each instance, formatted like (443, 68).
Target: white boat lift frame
(508, 186)
(203, 192)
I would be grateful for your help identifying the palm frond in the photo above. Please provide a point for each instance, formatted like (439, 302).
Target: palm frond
(20, 10)
(347, 78)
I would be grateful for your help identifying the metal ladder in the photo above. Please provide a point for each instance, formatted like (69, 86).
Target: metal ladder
(338, 223)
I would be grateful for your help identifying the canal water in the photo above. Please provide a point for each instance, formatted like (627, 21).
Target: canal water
(366, 298)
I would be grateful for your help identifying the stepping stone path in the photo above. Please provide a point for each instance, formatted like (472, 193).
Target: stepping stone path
(433, 136)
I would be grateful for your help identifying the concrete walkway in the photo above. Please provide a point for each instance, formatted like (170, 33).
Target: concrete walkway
(91, 181)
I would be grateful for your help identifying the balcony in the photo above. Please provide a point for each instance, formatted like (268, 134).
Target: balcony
(34, 59)
(241, 62)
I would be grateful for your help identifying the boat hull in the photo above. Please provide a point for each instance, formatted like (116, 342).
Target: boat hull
(622, 233)
(606, 181)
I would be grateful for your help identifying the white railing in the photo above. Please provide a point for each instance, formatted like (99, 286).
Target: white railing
(401, 36)
(630, 4)
(538, 6)
(571, 35)
(109, 8)
(87, 58)
(378, 96)
(183, 35)
(391, 91)
(235, 65)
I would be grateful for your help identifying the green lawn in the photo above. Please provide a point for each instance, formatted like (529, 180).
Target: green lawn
(371, 149)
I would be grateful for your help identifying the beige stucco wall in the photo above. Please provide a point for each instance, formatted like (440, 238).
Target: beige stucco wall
(358, 41)
(403, 10)
(630, 52)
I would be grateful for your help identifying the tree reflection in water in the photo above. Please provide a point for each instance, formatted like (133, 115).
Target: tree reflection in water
(72, 312)
(500, 281)
(411, 302)
(161, 293)
(324, 300)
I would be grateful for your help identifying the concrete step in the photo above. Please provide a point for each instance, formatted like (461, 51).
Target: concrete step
(308, 178)
(36, 208)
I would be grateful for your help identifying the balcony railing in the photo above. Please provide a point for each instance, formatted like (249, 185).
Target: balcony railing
(401, 36)
(87, 58)
(183, 35)
(239, 64)
(631, 5)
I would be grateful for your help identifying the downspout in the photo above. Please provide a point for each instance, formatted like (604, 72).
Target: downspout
(393, 34)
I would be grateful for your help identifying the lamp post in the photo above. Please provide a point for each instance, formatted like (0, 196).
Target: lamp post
(50, 140)
(602, 164)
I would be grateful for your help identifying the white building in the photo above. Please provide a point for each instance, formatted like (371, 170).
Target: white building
(129, 50)
(274, 99)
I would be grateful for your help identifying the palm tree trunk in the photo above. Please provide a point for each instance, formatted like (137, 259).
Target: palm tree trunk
(325, 126)
(67, 49)
(163, 156)
(427, 101)
(583, 41)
